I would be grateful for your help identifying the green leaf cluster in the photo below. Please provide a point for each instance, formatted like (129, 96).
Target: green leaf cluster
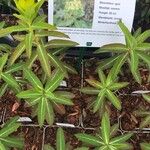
(7, 140)
(6, 75)
(144, 115)
(105, 88)
(43, 97)
(135, 50)
(33, 29)
(105, 140)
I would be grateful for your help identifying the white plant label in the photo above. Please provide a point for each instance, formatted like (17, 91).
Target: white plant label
(24, 119)
(92, 23)
(63, 83)
(65, 125)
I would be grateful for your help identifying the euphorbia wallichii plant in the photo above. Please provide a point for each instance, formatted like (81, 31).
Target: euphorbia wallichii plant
(40, 88)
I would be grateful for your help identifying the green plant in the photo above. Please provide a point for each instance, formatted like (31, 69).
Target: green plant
(133, 51)
(8, 141)
(145, 115)
(6, 75)
(70, 14)
(106, 140)
(60, 142)
(44, 97)
(32, 47)
(145, 146)
(33, 29)
(104, 89)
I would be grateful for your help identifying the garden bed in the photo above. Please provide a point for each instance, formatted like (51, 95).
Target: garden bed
(80, 115)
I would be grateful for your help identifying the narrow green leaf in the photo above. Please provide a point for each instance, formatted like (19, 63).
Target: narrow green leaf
(11, 81)
(6, 131)
(57, 99)
(141, 113)
(89, 139)
(33, 94)
(143, 47)
(49, 113)
(33, 79)
(42, 25)
(2, 147)
(13, 142)
(99, 100)
(62, 100)
(117, 86)
(134, 60)
(14, 68)
(54, 81)
(3, 89)
(94, 83)
(145, 57)
(107, 63)
(137, 32)
(2, 23)
(121, 138)
(28, 43)
(142, 37)
(102, 148)
(145, 146)
(146, 97)
(65, 94)
(51, 33)
(89, 90)
(114, 100)
(59, 50)
(56, 62)
(43, 57)
(5, 48)
(69, 68)
(58, 43)
(3, 61)
(105, 128)
(16, 53)
(116, 68)
(38, 5)
(39, 19)
(24, 20)
(114, 130)
(11, 122)
(102, 76)
(33, 102)
(60, 139)
(116, 47)
(123, 146)
(30, 61)
(41, 111)
(128, 35)
(8, 30)
(145, 122)
(135, 73)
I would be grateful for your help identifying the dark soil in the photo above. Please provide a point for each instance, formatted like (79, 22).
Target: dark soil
(33, 138)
